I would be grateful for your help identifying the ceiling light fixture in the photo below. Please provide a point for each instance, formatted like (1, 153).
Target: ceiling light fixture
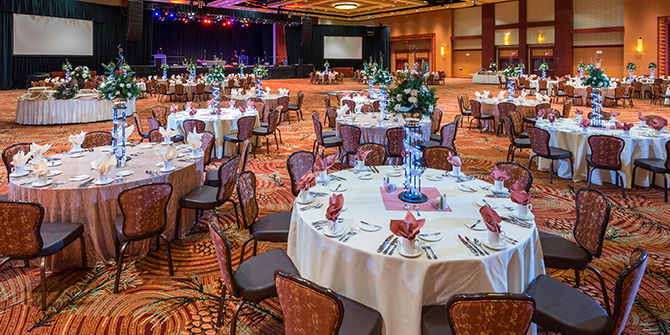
(345, 5)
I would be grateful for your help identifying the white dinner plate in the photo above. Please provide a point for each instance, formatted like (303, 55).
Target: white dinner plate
(430, 235)
(79, 177)
(434, 177)
(478, 227)
(124, 173)
(54, 173)
(38, 184)
(334, 234)
(14, 175)
(366, 176)
(334, 188)
(369, 225)
(501, 246)
(100, 182)
(180, 155)
(146, 146)
(394, 174)
(307, 201)
(167, 170)
(417, 252)
(77, 155)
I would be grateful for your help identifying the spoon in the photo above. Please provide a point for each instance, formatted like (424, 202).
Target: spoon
(416, 207)
(406, 207)
(479, 244)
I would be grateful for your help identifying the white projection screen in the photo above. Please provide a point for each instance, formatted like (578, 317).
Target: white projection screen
(342, 47)
(49, 36)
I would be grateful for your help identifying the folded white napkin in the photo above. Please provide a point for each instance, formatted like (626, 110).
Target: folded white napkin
(166, 154)
(501, 95)
(129, 131)
(267, 90)
(104, 163)
(167, 133)
(20, 159)
(37, 150)
(40, 166)
(478, 95)
(524, 93)
(542, 97)
(77, 139)
(194, 140)
(342, 110)
(486, 94)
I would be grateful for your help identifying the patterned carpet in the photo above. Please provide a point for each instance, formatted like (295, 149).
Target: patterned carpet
(151, 302)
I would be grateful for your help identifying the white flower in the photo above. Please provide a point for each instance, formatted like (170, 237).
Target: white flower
(413, 100)
(407, 90)
(127, 85)
(397, 107)
(117, 93)
(414, 92)
(399, 97)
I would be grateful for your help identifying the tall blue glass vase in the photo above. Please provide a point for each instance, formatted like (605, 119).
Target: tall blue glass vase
(412, 163)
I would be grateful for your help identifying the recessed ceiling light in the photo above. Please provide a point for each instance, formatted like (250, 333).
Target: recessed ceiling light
(345, 5)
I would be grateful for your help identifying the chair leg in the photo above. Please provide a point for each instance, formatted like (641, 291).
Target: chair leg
(588, 177)
(572, 169)
(222, 302)
(632, 185)
(623, 192)
(665, 186)
(276, 142)
(237, 218)
(255, 247)
(233, 321)
(178, 221)
(577, 281)
(158, 242)
(43, 277)
(169, 255)
(119, 266)
(83, 252)
(551, 171)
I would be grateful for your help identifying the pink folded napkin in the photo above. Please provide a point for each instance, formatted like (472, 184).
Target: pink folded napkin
(623, 126)
(454, 160)
(614, 113)
(658, 123)
(490, 218)
(498, 174)
(174, 108)
(251, 104)
(210, 102)
(641, 117)
(243, 109)
(322, 164)
(519, 195)
(335, 204)
(517, 187)
(362, 154)
(407, 228)
(307, 181)
(188, 105)
(551, 117)
(540, 113)
(192, 111)
(585, 123)
(579, 111)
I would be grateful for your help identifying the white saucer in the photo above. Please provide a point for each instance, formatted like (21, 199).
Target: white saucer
(434, 177)
(335, 234)
(431, 237)
(58, 163)
(14, 175)
(417, 252)
(38, 184)
(366, 176)
(451, 174)
(105, 149)
(394, 174)
(124, 173)
(75, 151)
(481, 226)
(192, 157)
(99, 182)
(527, 218)
(307, 201)
(341, 189)
(322, 180)
(79, 177)
(167, 170)
(77, 155)
(372, 226)
(180, 155)
(365, 168)
(54, 173)
(501, 246)
(146, 146)
(492, 204)
(465, 189)
(496, 192)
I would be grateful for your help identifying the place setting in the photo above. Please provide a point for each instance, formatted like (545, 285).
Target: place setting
(321, 166)
(406, 231)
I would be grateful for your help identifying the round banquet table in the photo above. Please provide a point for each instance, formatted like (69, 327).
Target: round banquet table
(219, 125)
(397, 286)
(270, 101)
(490, 106)
(360, 101)
(96, 207)
(77, 110)
(551, 85)
(371, 131)
(641, 143)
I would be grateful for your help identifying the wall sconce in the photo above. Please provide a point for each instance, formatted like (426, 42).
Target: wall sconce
(442, 50)
(506, 39)
(639, 44)
(540, 38)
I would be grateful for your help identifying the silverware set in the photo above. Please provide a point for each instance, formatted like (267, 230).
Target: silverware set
(318, 194)
(430, 254)
(319, 205)
(338, 178)
(322, 223)
(152, 173)
(515, 221)
(374, 169)
(472, 247)
(86, 183)
(371, 224)
(346, 236)
(386, 242)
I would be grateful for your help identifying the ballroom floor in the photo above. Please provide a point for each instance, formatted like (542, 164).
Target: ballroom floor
(82, 302)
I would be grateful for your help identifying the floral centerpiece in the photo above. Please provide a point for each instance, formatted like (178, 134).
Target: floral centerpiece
(215, 76)
(66, 90)
(67, 67)
(581, 66)
(260, 71)
(382, 77)
(80, 74)
(370, 69)
(630, 67)
(544, 68)
(596, 79)
(493, 66)
(191, 71)
(652, 67)
(406, 66)
(519, 68)
(412, 98)
(165, 67)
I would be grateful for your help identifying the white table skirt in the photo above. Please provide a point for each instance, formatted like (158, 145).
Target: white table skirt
(371, 131)
(46, 112)
(551, 85)
(638, 145)
(485, 79)
(397, 286)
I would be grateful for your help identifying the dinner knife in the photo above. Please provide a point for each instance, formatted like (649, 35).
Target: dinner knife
(381, 247)
(395, 240)
(431, 250)
(86, 183)
(467, 245)
(395, 245)
(481, 252)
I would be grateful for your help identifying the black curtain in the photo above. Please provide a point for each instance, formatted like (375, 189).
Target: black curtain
(376, 46)
(109, 31)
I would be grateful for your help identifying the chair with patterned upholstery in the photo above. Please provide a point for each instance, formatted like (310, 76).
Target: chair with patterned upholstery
(446, 138)
(160, 113)
(206, 198)
(273, 120)
(479, 313)
(207, 146)
(155, 136)
(273, 227)
(464, 112)
(331, 117)
(517, 173)
(252, 281)
(436, 158)
(605, 155)
(395, 146)
(25, 237)
(153, 123)
(366, 109)
(563, 309)
(97, 138)
(593, 212)
(618, 95)
(514, 142)
(436, 120)
(517, 124)
(9, 152)
(190, 126)
(180, 92)
(284, 112)
(375, 106)
(143, 216)
(194, 105)
(245, 129)
(567, 106)
(312, 309)
(327, 133)
(377, 155)
(138, 126)
(212, 176)
(298, 107)
(539, 143)
(654, 165)
(327, 102)
(504, 110)
(321, 139)
(570, 93)
(349, 103)
(476, 110)
(351, 138)
(298, 164)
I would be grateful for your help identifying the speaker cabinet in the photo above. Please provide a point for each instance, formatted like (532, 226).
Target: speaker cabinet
(306, 39)
(135, 15)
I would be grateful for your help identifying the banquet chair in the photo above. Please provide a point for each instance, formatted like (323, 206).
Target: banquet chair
(570, 93)
(327, 133)
(436, 158)
(464, 112)
(351, 137)
(375, 107)
(207, 146)
(322, 140)
(593, 213)
(517, 173)
(542, 87)
(25, 237)
(627, 95)
(160, 113)
(138, 126)
(567, 310)
(231, 84)
(212, 176)
(605, 155)
(567, 106)
(9, 152)
(97, 138)
(546, 107)
(367, 109)
(155, 136)
(504, 108)
(560, 91)
(308, 308)
(618, 95)
(479, 313)
(297, 107)
(605, 115)
(273, 120)
(446, 138)
(153, 123)
(143, 215)
(654, 94)
(376, 157)
(311, 77)
(331, 117)
(209, 198)
(298, 164)
(655, 165)
(245, 128)
(539, 143)
(273, 227)
(199, 92)
(194, 105)
(284, 112)
(179, 92)
(224, 101)
(252, 281)
(163, 92)
(517, 124)
(436, 120)
(349, 103)
(395, 146)
(637, 89)
(326, 101)
(191, 126)
(339, 97)
(476, 110)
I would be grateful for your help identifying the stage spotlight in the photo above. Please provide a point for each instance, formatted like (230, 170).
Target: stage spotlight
(171, 15)
(156, 13)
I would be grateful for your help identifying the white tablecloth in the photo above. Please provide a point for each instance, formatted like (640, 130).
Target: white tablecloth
(485, 79)
(642, 143)
(397, 286)
(45, 112)
(371, 131)
(490, 106)
(551, 85)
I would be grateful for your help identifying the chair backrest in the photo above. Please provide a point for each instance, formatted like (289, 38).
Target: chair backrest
(273, 120)
(349, 103)
(245, 127)
(504, 108)
(326, 100)
(97, 138)
(318, 128)
(246, 195)
(466, 100)
(490, 313)
(618, 92)
(366, 109)
(160, 114)
(244, 156)
(153, 123)
(637, 86)
(606, 150)
(298, 164)
(331, 116)
(605, 115)
(144, 208)
(517, 122)
(301, 97)
(375, 106)
(625, 290)
(179, 89)
(226, 174)
(223, 256)
(395, 138)
(197, 126)
(566, 109)
(667, 155)
(351, 137)
(593, 213)
(509, 128)
(460, 104)
(436, 157)
(207, 140)
(569, 90)
(475, 108)
(200, 88)
(138, 124)
(436, 119)
(224, 98)
(155, 136)
(542, 106)
(307, 307)
(20, 224)
(516, 173)
(539, 140)
(448, 134)
(543, 84)
(9, 152)
(376, 157)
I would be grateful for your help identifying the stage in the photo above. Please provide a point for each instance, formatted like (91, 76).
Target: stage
(274, 72)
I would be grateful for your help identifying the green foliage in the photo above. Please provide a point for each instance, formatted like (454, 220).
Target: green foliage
(119, 83)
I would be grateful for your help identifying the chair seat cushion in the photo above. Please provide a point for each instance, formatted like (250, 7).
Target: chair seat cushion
(260, 131)
(486, 117)
(531, 120)
(522, 142)
(332, 141)
(436, 137)
(522, 135)
(328, 133)
(359, 319)
(263, 124)
(231, 138)
(293, 107)
(272, 227)
(656, 165)
(434, 321)
(558, 153)
(429, 144)
(576, 96)
(203, 197)
(178, 138)
(564, 309)
(560, 253)
(56, 236)
(212, 178)
(254, 278)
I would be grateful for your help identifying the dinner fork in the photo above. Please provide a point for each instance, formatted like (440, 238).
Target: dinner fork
(354, 231)
(425, 249)
(345, 235)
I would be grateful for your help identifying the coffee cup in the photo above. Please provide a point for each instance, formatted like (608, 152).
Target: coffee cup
(455, 170)
(409, 246)
(496, 239)
(360, 165)
(303, 196)
(167, 165)
(523, 210)
(42, 179)
(498, 185)
(76, 147)
(18, 170)
(323, 176)
(333, 226)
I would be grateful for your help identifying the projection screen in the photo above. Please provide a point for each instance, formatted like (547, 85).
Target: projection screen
(49, 36)
(342, 47)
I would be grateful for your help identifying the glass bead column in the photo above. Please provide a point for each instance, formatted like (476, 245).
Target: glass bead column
(326, 70)
(544, 75)
(412, 165)
(597, 104)
(119, 131)
(651, 73)
(164, 74)
(259, 87)
(510, 89)
(383, 101)
(371, 87)
(67, 76)
(581, 73)
(215, 96)
(630, 75)
(191, 76)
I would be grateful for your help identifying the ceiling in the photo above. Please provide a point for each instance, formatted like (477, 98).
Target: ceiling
(325, 9)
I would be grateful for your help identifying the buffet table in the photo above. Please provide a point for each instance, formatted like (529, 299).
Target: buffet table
(491, 78)
(398, 286)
